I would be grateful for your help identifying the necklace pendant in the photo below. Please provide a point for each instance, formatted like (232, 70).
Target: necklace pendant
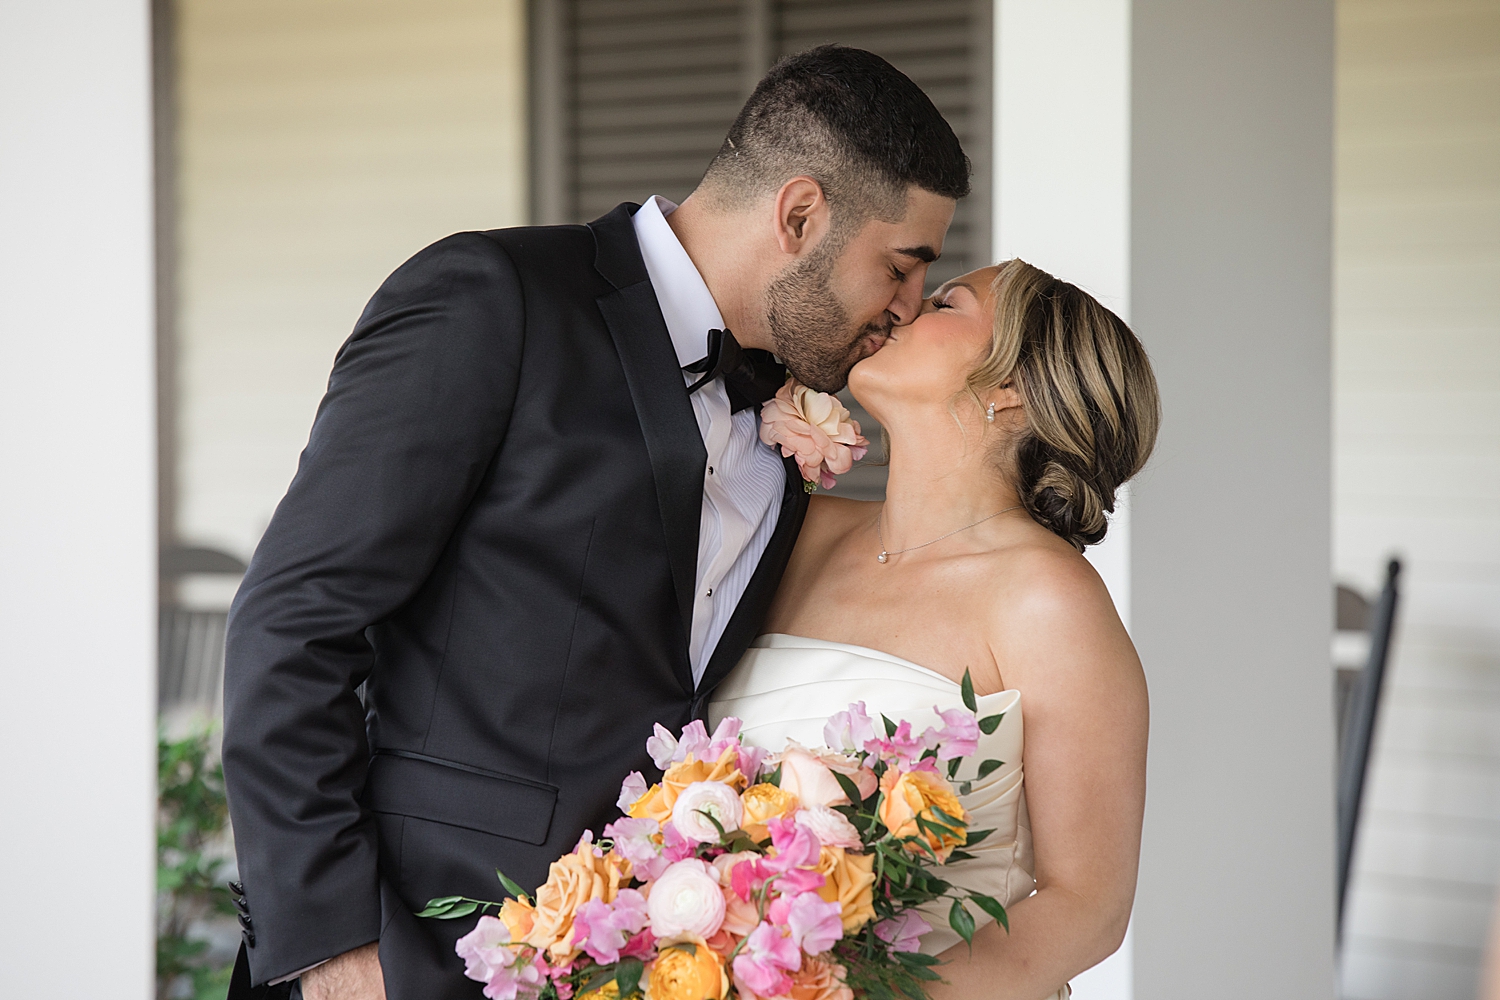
(882, 557)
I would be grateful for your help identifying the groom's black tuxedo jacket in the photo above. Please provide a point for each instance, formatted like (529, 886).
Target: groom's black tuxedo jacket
(494, 529)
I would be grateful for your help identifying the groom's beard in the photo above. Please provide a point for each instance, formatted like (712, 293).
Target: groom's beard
(812, 332)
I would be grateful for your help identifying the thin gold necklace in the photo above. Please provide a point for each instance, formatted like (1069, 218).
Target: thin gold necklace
(880, 534)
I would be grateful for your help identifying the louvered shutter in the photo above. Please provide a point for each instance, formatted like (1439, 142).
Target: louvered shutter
(633, 97)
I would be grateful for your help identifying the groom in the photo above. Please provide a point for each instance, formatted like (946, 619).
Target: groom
(534, 518)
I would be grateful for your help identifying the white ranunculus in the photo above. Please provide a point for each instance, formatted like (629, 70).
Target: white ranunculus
(830, 827)
(686, 902)
(700, 800)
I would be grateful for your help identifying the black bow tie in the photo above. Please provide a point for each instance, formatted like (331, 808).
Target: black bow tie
(750, 376)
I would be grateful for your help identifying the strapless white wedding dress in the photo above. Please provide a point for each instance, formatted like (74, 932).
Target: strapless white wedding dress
(787, 686)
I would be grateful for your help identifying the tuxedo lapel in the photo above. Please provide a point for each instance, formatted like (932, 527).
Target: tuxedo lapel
(673, 441)
(750, 613)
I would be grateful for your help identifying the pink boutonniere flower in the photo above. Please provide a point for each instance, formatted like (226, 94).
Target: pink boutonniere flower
(815, 429)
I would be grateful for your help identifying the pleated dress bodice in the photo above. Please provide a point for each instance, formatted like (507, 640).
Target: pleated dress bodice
(787, 686)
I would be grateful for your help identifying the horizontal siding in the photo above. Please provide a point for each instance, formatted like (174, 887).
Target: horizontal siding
(1417, 472)
(320, 143)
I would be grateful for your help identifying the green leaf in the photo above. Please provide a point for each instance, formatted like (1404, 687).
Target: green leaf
(962, 922)
(960, 856)
(602, 974)
(990, 723)
(687, 946)
(950, 820)
(967, 689)
(916, 958)
(992, 906)
(511, 887)
(849, 787)
(440, 906)
(890, 727)
(965, 787)
(975, 836)
(988, 767)
(953, 767)
(628, 976)
(774, 778)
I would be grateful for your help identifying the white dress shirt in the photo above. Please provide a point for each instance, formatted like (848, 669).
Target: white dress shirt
(743, 483)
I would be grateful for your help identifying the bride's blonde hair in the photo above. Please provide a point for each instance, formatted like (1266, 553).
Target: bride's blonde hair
(1089, 396)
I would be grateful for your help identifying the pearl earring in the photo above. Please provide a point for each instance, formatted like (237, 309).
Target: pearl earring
(989, 414)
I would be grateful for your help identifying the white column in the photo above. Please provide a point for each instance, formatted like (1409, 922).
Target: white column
(1231, 605)
(1175, 159)
(77, 511)
(1062, 186)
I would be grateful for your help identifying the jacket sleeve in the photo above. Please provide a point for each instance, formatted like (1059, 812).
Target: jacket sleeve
(417, 405)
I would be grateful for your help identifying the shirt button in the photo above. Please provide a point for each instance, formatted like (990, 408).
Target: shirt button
(710, 592)
(710, 470)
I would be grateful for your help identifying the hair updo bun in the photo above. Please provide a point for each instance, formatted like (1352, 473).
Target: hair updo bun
(1088, 393)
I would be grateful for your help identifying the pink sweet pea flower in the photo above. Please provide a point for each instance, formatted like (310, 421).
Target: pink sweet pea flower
(631, 789)
(850, 729)
(604, 930)
(766, 959)
(959, 736)
(634, 841)
(901, 749)
(903, 932)
(500, 966)
(814, 924)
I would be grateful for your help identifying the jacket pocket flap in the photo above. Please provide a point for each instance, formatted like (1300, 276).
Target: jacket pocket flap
(410, 784)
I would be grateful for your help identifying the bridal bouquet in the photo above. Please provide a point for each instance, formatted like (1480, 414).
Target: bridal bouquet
(741, 874)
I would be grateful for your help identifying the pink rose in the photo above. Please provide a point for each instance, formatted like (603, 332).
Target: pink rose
(831, 828)
(809, 778)
(815, 428)
(686, 902)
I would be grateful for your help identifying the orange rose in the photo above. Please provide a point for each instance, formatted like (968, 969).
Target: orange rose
(820, 979)
(763, 803)
(848, 880)
(910, 794)
(518, 917)
(692, 973)
(572, 880)
(659, 799)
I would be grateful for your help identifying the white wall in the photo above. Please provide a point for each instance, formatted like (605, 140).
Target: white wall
(1230, 261)
(77, 511)
(321, 143)
(1417, 473)
(1062, 203)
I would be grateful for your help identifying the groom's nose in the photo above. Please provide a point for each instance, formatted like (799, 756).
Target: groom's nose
(907, 302)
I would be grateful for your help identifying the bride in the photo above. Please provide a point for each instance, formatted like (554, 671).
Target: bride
(1016, 406)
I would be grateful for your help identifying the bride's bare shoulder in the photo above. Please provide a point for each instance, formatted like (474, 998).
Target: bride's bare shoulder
(829, 521)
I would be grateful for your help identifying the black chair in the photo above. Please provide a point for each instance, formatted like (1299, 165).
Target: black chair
(1357, 710)
(190, 645)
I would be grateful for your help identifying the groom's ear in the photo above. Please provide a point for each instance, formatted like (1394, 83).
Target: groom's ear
(802, 217)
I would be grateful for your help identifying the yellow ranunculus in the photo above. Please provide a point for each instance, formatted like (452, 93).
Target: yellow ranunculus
(572, 880)
(658, 801)
(909, 794)
(848, 880)
(694, 973)
(609, 991)
(763, 803)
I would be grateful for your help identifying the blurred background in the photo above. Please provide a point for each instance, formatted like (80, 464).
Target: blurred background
(304, 148)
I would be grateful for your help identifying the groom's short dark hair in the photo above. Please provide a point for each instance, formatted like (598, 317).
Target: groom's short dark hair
(851, 121)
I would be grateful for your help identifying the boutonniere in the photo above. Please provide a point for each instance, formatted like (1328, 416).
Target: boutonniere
(815, 429)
